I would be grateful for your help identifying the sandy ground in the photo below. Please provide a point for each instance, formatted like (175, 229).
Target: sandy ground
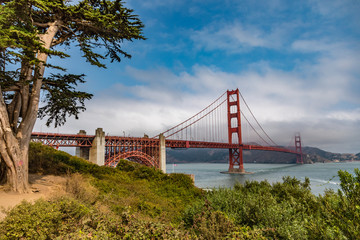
(40, 187)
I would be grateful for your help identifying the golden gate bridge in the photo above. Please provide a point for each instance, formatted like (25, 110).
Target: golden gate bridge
(219, 125)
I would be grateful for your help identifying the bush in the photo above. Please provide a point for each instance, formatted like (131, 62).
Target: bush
(341, 211)
(246, 233)
(277, 210)
(47, 160)
(80, 188)
(43, 220)
(67, 218)
(211, 224)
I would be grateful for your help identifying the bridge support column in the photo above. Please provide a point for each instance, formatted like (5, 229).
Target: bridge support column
(162, 153)
(234, 131)
(236, 164)
(298, 149)
(97, 150)
(82, 152)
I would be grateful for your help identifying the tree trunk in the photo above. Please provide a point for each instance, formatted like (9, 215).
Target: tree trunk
(14, 142)
(14, 153)
(18, 177)
(16, 166)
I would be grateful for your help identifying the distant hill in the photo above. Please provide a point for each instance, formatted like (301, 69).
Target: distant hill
(318, 155)
(311, 155)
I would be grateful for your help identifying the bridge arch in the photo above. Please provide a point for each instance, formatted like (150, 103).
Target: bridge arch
(135, 156)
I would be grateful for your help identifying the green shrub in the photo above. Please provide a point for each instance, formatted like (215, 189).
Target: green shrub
(67, 218)
(47, 160)
(350, 186)
(246, 233)
(43, 220)
(211, 224)
(341, 211)
(127, 166)
(260, 205)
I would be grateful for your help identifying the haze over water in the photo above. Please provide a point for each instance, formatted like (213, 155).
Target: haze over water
(322, 175)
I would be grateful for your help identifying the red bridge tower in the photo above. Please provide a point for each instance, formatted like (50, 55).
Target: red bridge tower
(298, 149)
(236, 164)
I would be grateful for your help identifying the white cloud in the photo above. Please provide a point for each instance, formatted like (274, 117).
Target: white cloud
(284, 102)
(336, 8)
(349, 116)
(234, 37)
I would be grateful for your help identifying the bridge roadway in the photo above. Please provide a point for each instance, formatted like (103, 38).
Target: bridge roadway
(199, 144)
(78, 140)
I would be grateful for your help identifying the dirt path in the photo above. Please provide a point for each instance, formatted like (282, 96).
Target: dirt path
(41, 186)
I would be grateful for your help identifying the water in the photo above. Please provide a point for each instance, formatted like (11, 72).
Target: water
(322, 175)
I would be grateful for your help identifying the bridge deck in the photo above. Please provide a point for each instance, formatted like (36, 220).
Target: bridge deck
(199, 144)
(76, 140)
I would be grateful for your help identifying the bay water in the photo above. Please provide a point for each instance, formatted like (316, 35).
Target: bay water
(322, 175)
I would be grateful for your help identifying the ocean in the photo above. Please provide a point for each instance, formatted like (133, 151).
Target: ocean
(322, 175)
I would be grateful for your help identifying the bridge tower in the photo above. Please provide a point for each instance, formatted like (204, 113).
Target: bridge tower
(236, 164)
(298, 149)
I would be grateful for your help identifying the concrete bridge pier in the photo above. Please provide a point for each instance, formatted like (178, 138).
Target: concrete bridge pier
(97, 150)
(82, 152)
(162, 153)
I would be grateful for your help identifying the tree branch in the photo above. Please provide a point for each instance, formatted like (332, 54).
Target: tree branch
(44, 25)
(14, 111)
(29, 118)
(60, 40)
(13, 88)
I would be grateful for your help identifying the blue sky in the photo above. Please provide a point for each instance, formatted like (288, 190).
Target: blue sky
(297, 63)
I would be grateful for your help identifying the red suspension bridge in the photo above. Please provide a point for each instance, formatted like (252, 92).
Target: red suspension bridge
(219, 125)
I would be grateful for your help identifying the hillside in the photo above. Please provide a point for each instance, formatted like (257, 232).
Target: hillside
(311, 155)
(137, 202)
(131, 201)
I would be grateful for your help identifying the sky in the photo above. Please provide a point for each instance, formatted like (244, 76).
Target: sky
(297, 64)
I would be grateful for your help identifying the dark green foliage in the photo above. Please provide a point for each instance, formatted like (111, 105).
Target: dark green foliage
(47, 160)
(62, 98)
(144, 172)
(92, 24)
(126, 166)
(97, 27)
(181, 179)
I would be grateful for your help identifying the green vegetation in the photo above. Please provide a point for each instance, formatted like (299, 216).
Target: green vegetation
(33, 31)
(285, 210)
(137, 202)
(144, 191)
